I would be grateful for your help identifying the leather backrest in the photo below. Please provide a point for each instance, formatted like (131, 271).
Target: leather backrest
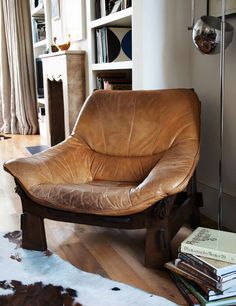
(138, 123)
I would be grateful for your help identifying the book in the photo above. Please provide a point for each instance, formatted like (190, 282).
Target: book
(210, 243)
(116, 84)
(218, 285)
(203, 284)
(213, 296)
(103, 8)
(129, 3)
(214, 268)
(189, 297)
(193, 271)
(113, 44)
(97, 9)
(119, 44)
(121, 86)
(99, 58)
(196, 263)
(203, 301)
(113, 77)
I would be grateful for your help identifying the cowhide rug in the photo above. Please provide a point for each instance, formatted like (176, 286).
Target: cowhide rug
(31, 278)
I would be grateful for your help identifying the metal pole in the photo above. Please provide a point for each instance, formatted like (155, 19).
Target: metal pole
(222, 98)
(192, 15)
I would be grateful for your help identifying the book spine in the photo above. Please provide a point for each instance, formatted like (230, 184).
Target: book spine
(198, 264)
(97, 9)
(210, 253)
(189, 297)
(103, 8)
(104, 47)
(204, 278)
(188, 276)
(201, 299)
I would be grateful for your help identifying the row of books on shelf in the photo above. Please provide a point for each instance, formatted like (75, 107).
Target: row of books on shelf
(113, 44)
(113, 81)
(205, 270)
(107, 7)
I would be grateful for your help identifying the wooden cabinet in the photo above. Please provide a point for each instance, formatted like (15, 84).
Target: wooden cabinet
(64, 87)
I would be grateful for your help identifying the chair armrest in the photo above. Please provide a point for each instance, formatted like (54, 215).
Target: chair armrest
(170, 175)
(67, 162)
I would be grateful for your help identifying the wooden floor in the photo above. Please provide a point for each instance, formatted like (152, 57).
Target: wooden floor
(113, 253)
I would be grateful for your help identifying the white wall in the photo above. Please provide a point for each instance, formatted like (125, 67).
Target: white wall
(72, 15)
(161, 45)
(205, 76)
(72, 21)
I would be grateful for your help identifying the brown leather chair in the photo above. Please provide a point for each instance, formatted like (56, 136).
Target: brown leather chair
(126, 164)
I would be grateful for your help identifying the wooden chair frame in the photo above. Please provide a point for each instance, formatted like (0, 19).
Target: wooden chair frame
(162, 221)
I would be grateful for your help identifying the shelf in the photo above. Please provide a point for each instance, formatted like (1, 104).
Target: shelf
(40, 43)
(38, 11)
(112, 66)
(41, 100)
(121, 18)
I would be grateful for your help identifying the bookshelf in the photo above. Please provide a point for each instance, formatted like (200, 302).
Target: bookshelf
(42, 13)
(41, 43)
(121, 18)
(40, 10)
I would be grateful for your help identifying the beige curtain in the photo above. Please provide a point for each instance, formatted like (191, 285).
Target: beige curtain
(17, 84)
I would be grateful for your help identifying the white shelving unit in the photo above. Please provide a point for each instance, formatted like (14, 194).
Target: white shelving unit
(122, 18)
(42, 11)
(41, 43)
(112, 66)
(38, 11)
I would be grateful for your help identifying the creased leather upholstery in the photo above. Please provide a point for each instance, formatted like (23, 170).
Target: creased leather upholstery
(128, 150)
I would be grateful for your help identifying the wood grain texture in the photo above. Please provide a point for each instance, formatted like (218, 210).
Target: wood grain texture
(114, 253)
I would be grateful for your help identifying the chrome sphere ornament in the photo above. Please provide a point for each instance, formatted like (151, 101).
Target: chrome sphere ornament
(207, 34)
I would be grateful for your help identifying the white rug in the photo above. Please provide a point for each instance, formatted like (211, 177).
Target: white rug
(44, 279)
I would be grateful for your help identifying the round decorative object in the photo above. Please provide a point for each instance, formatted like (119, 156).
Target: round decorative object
(60, 47)
(207, 34)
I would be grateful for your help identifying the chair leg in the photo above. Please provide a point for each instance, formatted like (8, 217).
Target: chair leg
(157, 248)
(33, 232)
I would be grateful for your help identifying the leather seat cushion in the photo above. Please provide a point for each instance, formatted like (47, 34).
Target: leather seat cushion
(98, 197)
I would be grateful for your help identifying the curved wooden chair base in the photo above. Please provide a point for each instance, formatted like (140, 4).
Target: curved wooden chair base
(162, 221)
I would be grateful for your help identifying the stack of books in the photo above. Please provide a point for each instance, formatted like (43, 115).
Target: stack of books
(113, 81)
(205, 270)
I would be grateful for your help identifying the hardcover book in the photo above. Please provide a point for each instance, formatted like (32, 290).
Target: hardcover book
(219, 245)
(190, 298)
(113, 44)
(218, 285)
(193, 271)
(119, 44)
(217, 302)
(204, 284)
(216, 269)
